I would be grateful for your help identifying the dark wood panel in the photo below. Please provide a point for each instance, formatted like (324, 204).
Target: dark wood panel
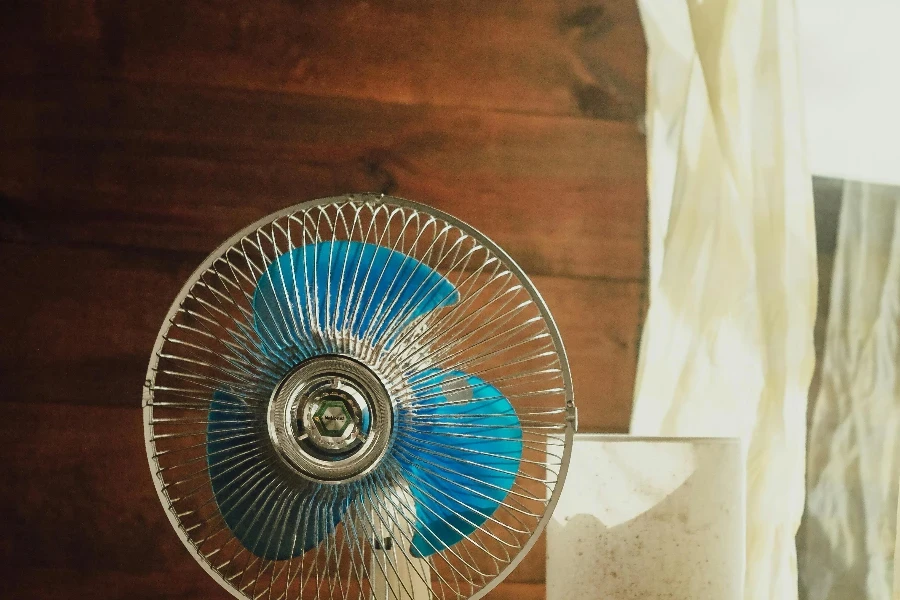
(82, 518)
(78, 493)
(81, 322)
(599, 324)
(139, 135)
(572, 57)
(185, 584)
(167, 167)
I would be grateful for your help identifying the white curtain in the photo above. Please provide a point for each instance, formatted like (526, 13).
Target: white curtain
(897, 556)
(727, 346)
(850, 530)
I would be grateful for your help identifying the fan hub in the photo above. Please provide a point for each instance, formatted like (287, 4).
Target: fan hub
(333, 418)
(330, 419)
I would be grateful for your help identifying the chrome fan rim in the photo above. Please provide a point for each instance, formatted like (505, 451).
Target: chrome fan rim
(458, 574)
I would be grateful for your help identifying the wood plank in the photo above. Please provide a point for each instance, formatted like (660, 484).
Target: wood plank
(173, 168)
(78, 494)
(187, 583)
(570, 57)
(599, 324)
(83, 519)
(81, 324)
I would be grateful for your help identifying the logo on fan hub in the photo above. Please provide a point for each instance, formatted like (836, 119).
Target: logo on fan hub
(332, 418)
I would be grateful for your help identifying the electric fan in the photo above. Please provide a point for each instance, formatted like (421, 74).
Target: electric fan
(358, 397)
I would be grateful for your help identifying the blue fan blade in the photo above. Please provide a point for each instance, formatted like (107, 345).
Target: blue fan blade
(458, 482)
(262, 522)
(370, 290)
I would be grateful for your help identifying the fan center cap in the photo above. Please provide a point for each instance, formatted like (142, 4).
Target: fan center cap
(333, 414)
(330, 419)
(333, 418)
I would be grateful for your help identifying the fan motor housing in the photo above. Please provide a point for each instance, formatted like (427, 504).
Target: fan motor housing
(330, 419)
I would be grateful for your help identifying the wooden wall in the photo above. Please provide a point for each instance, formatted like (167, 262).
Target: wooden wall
(137, 135)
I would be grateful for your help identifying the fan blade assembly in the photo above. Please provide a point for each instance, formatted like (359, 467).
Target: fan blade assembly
(459, 440)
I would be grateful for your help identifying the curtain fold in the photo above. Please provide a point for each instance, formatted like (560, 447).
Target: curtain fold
(850, 528)
(727, 345)
(897, 554)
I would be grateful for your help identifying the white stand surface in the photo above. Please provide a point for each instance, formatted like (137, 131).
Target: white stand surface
(647, 518)
(393, 574)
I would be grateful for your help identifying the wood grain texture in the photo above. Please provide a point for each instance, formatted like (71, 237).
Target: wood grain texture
(81, 325)
(570, 57)
(168, 167)
(137, 136)
(186, 584)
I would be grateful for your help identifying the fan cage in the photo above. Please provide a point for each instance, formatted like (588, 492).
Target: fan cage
(499, 330)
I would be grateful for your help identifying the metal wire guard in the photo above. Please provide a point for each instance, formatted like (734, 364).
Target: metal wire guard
(213, 371)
